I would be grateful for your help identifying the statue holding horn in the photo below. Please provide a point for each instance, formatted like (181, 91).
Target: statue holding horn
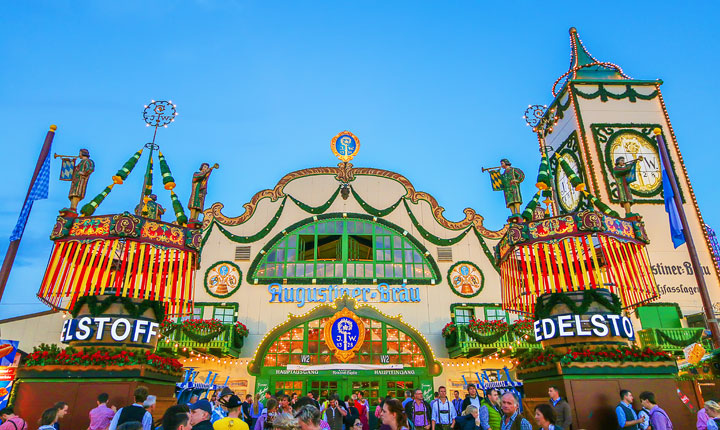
(199, 190)
(625, 173)
(81, 171)
(509, 182)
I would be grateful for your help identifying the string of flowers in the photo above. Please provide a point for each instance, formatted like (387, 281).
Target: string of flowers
(46, 355)
(167, 326)
(612, 354)
(484, 326)
(202, 325)
(525, 325)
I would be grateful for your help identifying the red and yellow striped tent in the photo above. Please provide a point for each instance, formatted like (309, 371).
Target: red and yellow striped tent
(575, 252)
(122, 255)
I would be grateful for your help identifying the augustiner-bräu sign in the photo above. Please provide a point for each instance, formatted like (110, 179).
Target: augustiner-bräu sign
(381, 293)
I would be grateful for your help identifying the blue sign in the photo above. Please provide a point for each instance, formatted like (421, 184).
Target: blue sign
(345, 334)
(345, 146)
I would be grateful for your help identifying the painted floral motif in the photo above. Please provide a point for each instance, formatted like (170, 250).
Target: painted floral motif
(552, 226)
(163, 233)
(465, 279)
(619, 227)
(222, 279)
(90, 227)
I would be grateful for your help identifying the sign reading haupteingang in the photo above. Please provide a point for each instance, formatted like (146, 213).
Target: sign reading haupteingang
(599, 325)
(109, 329)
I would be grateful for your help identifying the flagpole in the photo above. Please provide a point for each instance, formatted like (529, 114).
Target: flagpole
(694, 260)
(15, 244)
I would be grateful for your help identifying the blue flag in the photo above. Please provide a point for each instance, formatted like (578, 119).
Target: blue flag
(676, 228)
(38, 191)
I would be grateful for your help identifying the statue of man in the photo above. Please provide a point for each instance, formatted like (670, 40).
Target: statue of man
(625, 173)
(199, 190)
(81, 172)
(151, 209)
(511, 178)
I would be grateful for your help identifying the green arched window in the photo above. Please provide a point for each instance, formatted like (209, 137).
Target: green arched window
(304, 344)
(338, 248)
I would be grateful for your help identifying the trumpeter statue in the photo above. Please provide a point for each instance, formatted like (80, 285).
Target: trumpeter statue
(80, 175)
(508, 181)
(199, 190)
(625, 172)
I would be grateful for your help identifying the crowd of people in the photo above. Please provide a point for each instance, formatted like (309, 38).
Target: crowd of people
(225, 410)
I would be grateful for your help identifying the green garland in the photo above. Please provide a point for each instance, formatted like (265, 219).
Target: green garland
(486, 249)
(604, 94)
(374, 211)
(431, 237)
(543, 308)
(202, 338)
(13, 393)
(182, 219)
(247, 239)
(477, 337)
(335, 215)
(318, 209)
(89, 207)
(680, 343)
(527, 214)
(170, 329)
(98, 307)
(128, 166)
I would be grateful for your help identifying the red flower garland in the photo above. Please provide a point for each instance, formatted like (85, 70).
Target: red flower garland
(241, 329)
(524, 325)
(46, 355)
(449, 329)
(483, 326)
(611, 354)
(203, 325)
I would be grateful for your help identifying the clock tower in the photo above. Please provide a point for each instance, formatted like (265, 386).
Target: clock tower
(601, 118)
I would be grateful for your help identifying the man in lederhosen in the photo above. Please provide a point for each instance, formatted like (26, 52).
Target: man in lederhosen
(443, 412)
(418, 411)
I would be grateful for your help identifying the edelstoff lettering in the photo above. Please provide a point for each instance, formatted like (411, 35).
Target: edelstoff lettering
(120, 329)
(573, 325)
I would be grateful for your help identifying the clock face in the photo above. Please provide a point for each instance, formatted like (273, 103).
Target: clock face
(567, 196)
(632, 146)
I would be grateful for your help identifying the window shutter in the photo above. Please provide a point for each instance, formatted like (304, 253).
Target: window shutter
(242, 253)
(444, 254)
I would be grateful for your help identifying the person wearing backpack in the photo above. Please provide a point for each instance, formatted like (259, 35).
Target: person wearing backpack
(659, 419)
(10, 421)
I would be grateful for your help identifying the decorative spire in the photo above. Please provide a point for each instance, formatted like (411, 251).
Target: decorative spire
(584, 66)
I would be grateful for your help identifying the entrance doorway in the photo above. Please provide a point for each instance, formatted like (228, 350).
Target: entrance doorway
(374, 388)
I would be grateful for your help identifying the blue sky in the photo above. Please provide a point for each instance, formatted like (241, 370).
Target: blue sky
(433, 90)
